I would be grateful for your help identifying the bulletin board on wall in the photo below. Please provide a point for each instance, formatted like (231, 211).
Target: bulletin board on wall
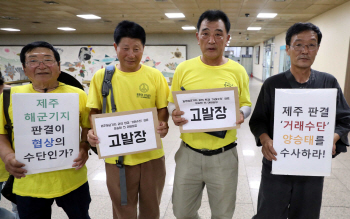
(82, 61)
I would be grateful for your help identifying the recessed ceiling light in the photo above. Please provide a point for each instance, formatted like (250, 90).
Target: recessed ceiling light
(66, 28)
(267, 15)
(10, 29)
(88, 16)
(254, 28)
(188, 27)
(174, 15)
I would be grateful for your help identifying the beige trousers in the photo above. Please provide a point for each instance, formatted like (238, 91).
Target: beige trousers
(144, 182)
(219, 173)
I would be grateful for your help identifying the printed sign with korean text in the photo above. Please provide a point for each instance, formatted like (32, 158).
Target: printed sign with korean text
(208, 109)
(126, 132)
(46, 130)
(303, 131)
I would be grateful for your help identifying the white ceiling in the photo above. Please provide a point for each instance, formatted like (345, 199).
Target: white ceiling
(23, 15)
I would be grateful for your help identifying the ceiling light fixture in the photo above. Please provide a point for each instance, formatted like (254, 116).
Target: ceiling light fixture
(88, 16)
(174, 15)
(254, 28)
(188, 27)
(66, 28)
(267, 15)
(10, 29)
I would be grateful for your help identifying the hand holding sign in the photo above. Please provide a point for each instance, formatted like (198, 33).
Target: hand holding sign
(80, 161)
(178, 120)
(336, 138)
(267, 147)
(241, 119)
(162, 129)
(92, 138)
(14, 167)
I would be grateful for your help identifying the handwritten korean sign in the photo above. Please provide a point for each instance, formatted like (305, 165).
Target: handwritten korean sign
(208, 109)
(127, 132)
(46, 130)
(303, 131)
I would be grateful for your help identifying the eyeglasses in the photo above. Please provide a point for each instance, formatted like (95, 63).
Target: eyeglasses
(36, 63)
(300, 47)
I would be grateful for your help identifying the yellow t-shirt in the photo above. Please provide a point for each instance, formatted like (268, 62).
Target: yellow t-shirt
(193, 74)
(4, 175)
(145, 88)
(57, 183)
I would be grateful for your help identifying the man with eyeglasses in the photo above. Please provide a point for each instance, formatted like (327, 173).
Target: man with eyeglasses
(36, 193)
(287, 196)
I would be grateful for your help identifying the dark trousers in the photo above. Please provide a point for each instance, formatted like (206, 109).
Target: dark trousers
(75, 204)
(292, 197)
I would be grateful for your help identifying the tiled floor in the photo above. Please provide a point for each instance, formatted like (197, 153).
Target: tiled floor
(336, 195)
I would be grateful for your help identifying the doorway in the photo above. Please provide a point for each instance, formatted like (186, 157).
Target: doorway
(268, 59)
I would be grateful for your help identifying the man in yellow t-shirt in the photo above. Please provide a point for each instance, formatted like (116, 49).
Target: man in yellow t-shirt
(4, 175)
(35, 193)
(203, 159)
(135, 86)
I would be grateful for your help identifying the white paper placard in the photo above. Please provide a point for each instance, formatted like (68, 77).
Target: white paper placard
(209, 109)
(303, 131)
(46, 130)
(127, 132)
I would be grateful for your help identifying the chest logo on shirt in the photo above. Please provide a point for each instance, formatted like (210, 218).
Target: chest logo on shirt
(143, 87)
(227, 84)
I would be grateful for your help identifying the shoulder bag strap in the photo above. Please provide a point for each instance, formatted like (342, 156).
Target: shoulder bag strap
(106, 88)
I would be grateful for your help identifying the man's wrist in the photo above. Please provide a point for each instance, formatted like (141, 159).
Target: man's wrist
(242, 112)
(85, 144)
(7, 157)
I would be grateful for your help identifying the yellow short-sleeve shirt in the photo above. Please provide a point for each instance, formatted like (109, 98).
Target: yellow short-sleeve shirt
(193, 74)
(57, 183)
(145, 88)
(4, 175)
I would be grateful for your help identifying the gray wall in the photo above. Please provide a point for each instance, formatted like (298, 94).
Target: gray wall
(189, 39)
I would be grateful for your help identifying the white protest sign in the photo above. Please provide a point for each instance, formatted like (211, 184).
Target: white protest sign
(303, 131)
(46, 130)
(126, 132)
(208, 109)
